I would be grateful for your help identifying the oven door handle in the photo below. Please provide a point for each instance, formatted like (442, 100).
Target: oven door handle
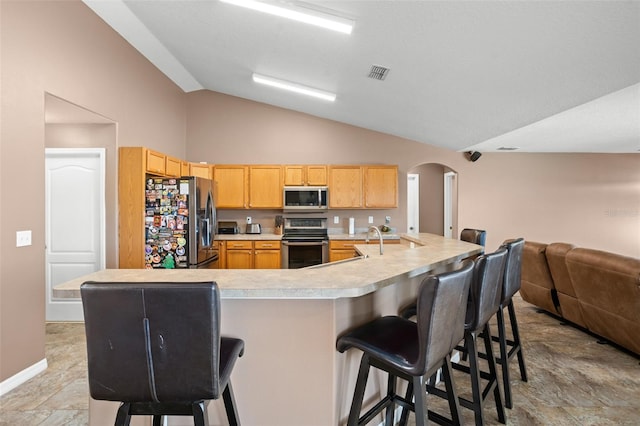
(305, 243)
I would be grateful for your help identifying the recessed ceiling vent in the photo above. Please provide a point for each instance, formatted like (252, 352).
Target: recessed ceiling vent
(378, 72)
(508, 148)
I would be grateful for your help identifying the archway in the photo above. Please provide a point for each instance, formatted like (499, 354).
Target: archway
(437, 182)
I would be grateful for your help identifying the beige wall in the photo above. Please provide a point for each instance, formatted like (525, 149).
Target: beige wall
(592, 200)
(64, 49)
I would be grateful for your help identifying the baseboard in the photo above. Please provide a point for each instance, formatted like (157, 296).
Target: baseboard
(21, 377)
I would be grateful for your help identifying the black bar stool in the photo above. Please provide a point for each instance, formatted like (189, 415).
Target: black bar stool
(413, 351)
(156, 348)
(510, 347)
(484, 302)
(475, 236)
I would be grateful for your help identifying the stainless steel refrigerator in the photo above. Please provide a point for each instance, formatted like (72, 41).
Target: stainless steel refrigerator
(180, 223)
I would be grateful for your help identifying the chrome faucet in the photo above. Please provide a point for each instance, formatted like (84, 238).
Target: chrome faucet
(375, 228)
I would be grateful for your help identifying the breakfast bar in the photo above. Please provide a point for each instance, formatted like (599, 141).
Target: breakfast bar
(291, 373)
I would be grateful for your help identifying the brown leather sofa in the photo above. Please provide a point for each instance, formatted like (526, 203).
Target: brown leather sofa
(597, 290)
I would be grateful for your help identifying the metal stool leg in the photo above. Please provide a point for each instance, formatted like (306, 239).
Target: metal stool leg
(123, 417)
(230, 405)
(358, 394)
(493, 374)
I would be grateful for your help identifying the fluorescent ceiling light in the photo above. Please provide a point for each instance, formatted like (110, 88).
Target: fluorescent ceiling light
(301, 14)
(294, 87)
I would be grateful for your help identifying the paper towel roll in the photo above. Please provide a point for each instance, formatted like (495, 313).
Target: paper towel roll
(352, 226)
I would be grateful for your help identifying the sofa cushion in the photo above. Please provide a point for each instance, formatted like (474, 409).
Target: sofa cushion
(569, 306)
(536, 283)
(608, 288)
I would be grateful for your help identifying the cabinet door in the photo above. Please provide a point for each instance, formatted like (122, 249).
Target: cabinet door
(267, 259)
(381, 186)
(293, 175)
(265, 187)
(184, 168)
(316, 175)
(335, 255)
(345, 187)
(200, 170)
(173, 167)
(155, 162)
(231, 186)
(239, 259)
(222, 254)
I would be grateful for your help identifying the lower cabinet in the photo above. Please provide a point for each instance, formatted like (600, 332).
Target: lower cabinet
(345, 249)
(247, 254)
(266, 255)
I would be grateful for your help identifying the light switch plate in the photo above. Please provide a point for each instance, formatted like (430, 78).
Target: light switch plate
(336, 219)
(23, 238)
(370, 219)
(248, 220)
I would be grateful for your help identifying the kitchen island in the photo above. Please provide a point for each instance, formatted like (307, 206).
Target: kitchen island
(291, 373)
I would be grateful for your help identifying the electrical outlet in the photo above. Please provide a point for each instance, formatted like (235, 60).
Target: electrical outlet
(248, 220)
(23, 238)
(336, 219)
(387, 220)
(370, 219)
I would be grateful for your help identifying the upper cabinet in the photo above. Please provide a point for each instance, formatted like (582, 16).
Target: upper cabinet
(172, 166)
(380, 187)
(265, 187)
(298, 175)
(371, 187)
(232, 186)
(155, 162)
(345, 187)
(200, 170)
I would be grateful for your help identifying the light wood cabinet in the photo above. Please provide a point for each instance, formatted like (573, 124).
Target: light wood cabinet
(298, 175)
(345, 187)
(172, 166)
(266, 255)
(239, 255)
(222, 253)
(265, 187)
(247, 254)
(380, 187)
(343, 249)
(200, 170)
(184, 168)
(132, 169)
(155, 162)
(232, 186)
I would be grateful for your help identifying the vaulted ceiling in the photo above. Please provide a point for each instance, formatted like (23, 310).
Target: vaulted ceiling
(540, 76)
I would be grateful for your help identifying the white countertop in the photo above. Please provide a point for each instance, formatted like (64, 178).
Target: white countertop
(329, 281)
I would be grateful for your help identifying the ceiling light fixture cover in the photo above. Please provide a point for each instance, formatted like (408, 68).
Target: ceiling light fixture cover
(294, 87)
(300, 14)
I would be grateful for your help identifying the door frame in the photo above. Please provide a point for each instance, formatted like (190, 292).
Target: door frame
(449, 182)
(71, 309)
(413, 203)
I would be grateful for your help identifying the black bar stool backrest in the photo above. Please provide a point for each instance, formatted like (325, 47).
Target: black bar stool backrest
(475, 236)
(442, 301)
(513, 267)
(486, 289)
(153, 342)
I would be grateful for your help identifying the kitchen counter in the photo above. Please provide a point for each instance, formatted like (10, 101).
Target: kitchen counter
(244, 237)
(347, 279)
(290, 320)
(363, 235)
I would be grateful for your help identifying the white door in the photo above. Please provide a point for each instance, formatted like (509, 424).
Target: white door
(449, 181)
(74, 222)
(413, 203)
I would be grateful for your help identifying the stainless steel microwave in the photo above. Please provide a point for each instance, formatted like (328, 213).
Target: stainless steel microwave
(309, 198)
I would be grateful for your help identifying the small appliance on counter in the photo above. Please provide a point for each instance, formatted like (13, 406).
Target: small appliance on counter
(228, 228)
(253, 228)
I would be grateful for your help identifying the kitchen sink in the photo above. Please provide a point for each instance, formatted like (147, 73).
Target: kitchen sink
(337, 262)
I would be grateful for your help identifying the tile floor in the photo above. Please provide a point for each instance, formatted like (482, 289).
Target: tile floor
(573, 380)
